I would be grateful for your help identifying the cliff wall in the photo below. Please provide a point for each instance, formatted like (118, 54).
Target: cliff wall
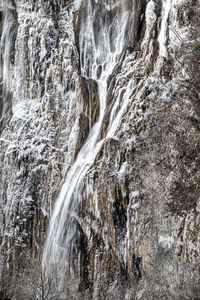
(135, 214)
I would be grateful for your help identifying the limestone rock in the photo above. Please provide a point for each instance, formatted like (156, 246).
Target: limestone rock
(138, 220)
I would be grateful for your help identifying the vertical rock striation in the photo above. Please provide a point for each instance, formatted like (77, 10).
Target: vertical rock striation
(116, 84)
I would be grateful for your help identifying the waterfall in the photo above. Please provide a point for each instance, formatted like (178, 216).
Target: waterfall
(6, 53)
(102, 39)
(162, 38)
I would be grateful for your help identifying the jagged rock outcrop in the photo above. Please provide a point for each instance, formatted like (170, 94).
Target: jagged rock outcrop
(137, 216)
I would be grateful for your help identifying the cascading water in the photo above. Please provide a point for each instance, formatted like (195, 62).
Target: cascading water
(6, 52)
(162, 38)
(102, 39)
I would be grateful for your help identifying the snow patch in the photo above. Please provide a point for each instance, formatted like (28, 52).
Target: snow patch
(150, 13)
(166, 241)
(134, 194)
(45, 213)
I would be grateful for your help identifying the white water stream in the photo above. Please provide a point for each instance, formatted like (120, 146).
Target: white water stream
(102, 39)
(162, 38)
(100, 49)
(6, 44)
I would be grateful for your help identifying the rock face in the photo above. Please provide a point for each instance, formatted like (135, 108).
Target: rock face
(130, 228)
